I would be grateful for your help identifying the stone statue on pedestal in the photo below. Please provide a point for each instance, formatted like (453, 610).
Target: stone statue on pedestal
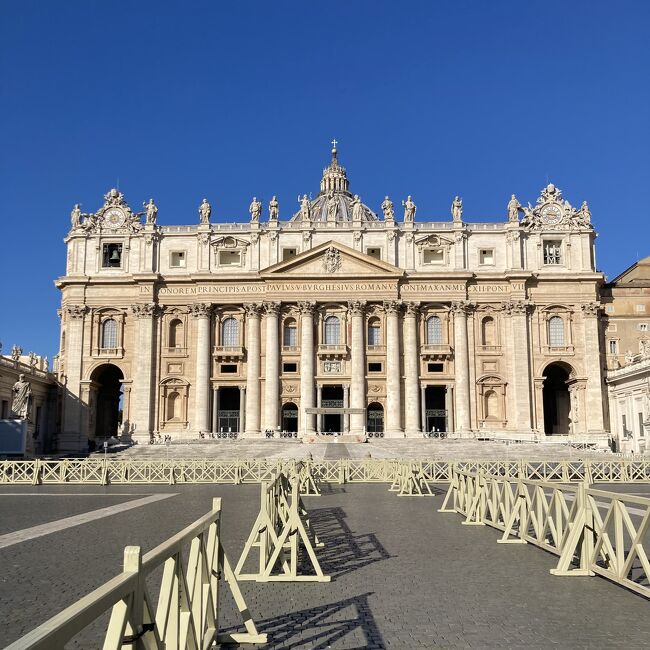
(274, 209)
(205, 210)
(514, 208)
(305, 208)
(457, 209)
(22, 394)
(255, 209)
(152, 212)
(357, 209)
(16, 352)
(387, 209)
(409, 210)
(75, 217)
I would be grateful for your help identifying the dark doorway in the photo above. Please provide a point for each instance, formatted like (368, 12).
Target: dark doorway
(375, 424)
(108, 394)
(332, 397)
(290, 417)
(229, 410)
(557, 402)
(435, 411)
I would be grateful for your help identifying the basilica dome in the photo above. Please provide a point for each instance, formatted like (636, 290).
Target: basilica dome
(335, 202)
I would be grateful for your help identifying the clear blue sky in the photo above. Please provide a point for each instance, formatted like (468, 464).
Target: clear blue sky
(229, 100)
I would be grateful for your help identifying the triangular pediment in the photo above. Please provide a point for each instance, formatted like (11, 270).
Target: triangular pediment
(332, 259)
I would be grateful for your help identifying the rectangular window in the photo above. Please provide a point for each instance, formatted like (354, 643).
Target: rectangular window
(288, 253)
(177, 260)
(374, 252)
(112, 256)
(609, 309)
(433, 256)
(228, 368)
(289, 367)
(229, 258)
(374, 367)
(625, 432)
(643, 327)
(640, 309)
(486, 256)
(641, 424)
(435, 367)
(552, 251)
(613, 347)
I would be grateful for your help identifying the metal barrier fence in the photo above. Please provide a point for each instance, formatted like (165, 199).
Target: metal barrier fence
(592, 531)
(187, 612)
(369, 470)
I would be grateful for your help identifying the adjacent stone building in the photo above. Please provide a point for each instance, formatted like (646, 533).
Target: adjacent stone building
(337, 319)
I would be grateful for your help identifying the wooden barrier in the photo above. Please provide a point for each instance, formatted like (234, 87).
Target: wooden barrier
(281, 531)
(592, 531)
(187, 612)
(196, 471)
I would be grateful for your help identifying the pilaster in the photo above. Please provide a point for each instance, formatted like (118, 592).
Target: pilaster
(201, 313)
(594, 396)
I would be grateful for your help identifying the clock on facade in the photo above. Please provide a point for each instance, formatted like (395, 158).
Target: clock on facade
(114, 218)
(551, 214)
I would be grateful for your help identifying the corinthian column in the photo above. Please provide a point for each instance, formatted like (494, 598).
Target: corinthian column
(306, 365)
(411, 372)
(252, 370)
(272, 371)
(461, 365)
(393, 373)
(72, 437)
(594, 396)
(141, 410)
(201, 312)
(358, 363)
(517, 310)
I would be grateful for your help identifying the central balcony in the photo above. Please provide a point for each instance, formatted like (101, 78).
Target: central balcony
(436, 351)
(227, 352)
(329, 351)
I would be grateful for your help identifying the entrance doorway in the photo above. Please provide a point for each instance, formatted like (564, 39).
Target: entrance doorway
(557, 401)
(375, 424)
(229, 410)
(108, 399)
(290, 417)
(435, 412)
(332, 397)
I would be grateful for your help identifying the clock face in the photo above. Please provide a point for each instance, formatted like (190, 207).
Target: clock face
(551, 214)
(114, 218)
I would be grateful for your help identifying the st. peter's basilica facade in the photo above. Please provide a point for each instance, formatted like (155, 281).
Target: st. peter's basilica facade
(338, 319)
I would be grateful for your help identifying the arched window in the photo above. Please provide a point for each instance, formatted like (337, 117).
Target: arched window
(176, 333)
(556, 332)
(332, 331)
(374, 332)
(290, 336)
(488, 331)
(230, 333)
(109, 334)
(434, 331)
(173, 406)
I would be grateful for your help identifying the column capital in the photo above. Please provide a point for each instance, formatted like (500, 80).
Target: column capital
(307, 307)
(201, 310)
(463, 307)
(75, 311)
(271, 308)
(145, 310)
(591, 309)
(516, 307)
(253, 309)
(392, 306)
(412, 309)
(356, 307)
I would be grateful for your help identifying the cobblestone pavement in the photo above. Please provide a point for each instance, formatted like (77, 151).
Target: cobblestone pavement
(403, 575)
(407, 448)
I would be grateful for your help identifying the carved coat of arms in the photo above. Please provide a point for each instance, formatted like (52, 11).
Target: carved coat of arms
(332, 260)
